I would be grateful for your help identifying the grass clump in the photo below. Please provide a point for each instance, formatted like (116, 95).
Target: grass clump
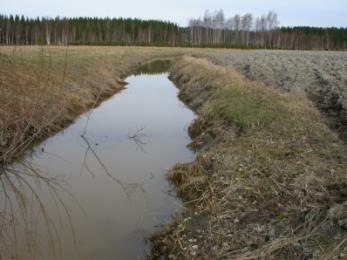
(190, 178)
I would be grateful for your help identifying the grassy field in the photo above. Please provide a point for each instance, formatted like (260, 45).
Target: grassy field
(270, 176)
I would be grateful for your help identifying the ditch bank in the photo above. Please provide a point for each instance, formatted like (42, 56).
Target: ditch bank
(39, 103)
(269, 179)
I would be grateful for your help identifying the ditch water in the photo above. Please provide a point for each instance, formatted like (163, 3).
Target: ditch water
(98, 189)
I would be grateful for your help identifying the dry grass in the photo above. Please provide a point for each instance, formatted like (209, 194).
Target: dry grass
(270, 179)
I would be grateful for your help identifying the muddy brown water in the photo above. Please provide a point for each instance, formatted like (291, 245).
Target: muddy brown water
(98, 189)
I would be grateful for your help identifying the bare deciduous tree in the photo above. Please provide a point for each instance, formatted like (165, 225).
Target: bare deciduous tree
(218, 20)
(272, 20)
(247, 22)
(237, 22)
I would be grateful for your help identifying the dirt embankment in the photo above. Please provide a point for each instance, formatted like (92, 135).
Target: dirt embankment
(42, 89)
(322, 75)
(269, 179)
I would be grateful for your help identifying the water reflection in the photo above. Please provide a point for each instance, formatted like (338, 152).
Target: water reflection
(98, 189)
(23, 208)
(139, 138)
(154, 68)
(90, 148)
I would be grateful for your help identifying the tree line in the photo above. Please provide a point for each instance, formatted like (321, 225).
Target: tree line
(63, 31)
(210, 30)
(262, 32)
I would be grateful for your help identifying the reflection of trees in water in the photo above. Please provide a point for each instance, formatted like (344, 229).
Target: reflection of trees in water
(128, 188)
(25, 218)
(90, 148)
(139, 138)
(154, 67)
(23, 211)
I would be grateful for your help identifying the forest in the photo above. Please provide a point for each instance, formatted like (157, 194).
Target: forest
(213, 29)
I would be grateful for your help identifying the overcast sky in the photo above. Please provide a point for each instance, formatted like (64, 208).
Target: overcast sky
(291, 12)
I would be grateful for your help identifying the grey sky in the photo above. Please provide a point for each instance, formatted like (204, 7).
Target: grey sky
(291, 12)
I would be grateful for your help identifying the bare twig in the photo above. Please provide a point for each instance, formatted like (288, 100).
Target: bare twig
(103, 166)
